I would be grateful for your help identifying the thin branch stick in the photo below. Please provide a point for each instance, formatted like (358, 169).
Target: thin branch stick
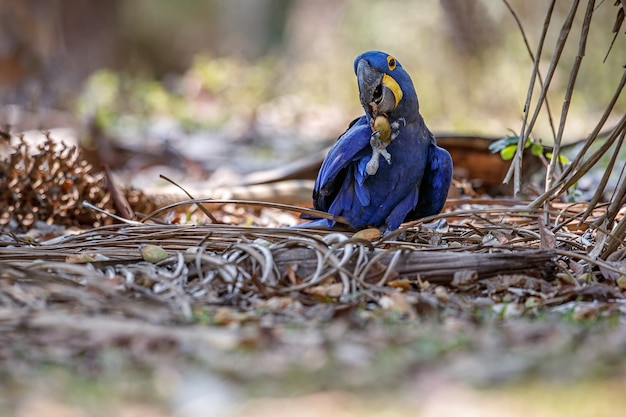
(202, 207)
(532, 57)
(516, 164)
(563, 36)
(111, 215)
(618, 200)
(596, 131)
(595, 157)
(568, 94)
(605, 179)
(618, 234)
(574, 166)
(565, 183)
(287, 207)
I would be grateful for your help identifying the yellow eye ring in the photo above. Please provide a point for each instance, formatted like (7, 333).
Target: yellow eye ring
(391, 63)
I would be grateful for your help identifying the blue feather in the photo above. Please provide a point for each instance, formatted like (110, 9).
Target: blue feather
(414, 185)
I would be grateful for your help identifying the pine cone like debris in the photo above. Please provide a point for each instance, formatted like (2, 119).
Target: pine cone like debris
(48, 184)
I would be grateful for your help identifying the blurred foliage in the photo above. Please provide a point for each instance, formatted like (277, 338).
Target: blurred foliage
(507, 146)
(294, 57)
(212, 93)
(125, 106)
(236, 87)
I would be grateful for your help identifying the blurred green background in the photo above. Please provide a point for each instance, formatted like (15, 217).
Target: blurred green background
(250, 66)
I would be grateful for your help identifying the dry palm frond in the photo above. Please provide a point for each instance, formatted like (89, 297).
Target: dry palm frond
(244, 267)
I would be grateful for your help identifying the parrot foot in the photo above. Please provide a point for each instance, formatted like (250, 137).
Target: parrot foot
(383, 133)
(372, 166)
(395, 127)
(379, 148)
(386, 155)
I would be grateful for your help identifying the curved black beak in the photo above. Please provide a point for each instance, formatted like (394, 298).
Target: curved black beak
(376, 97)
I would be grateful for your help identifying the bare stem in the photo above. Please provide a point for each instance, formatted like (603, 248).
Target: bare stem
(575, 167)
(516, 164)
(532, 57)
(569, 92)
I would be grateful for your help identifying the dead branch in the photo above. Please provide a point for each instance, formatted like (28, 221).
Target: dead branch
(436, 267)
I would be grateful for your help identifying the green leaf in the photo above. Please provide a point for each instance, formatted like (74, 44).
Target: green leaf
(527, 143)
(508, 152)
(536, 149)
(500, 144)
(562, 158)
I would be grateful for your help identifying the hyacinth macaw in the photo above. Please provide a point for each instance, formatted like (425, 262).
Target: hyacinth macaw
(386, 168)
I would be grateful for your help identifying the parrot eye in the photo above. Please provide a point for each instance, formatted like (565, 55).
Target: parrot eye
(391, 63)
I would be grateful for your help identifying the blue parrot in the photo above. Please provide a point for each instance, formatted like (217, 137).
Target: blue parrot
(386, 168)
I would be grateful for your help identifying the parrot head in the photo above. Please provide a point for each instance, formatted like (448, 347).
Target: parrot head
(385, 88)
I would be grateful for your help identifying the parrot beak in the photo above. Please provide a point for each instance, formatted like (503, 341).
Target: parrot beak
(379, 93)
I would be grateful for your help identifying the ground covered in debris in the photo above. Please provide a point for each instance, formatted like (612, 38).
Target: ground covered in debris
(227, 313)
(150, 259)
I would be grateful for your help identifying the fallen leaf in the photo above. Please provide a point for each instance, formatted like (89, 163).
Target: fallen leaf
(401, 284)
(465, 279)
(152, 253)
(395, 301)
(326, 291)
(277, 303)
(370, 234)
(84, 258)
(225, 316)
(442, 294)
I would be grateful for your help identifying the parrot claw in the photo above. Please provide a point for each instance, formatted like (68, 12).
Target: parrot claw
(383, 133)
(386, 155)
(396, 125)
(379, 148)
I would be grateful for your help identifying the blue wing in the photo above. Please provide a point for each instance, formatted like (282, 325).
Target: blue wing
(435, 183)
(353, 145)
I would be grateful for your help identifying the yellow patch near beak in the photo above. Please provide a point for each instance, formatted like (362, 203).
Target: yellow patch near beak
(391, 84)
